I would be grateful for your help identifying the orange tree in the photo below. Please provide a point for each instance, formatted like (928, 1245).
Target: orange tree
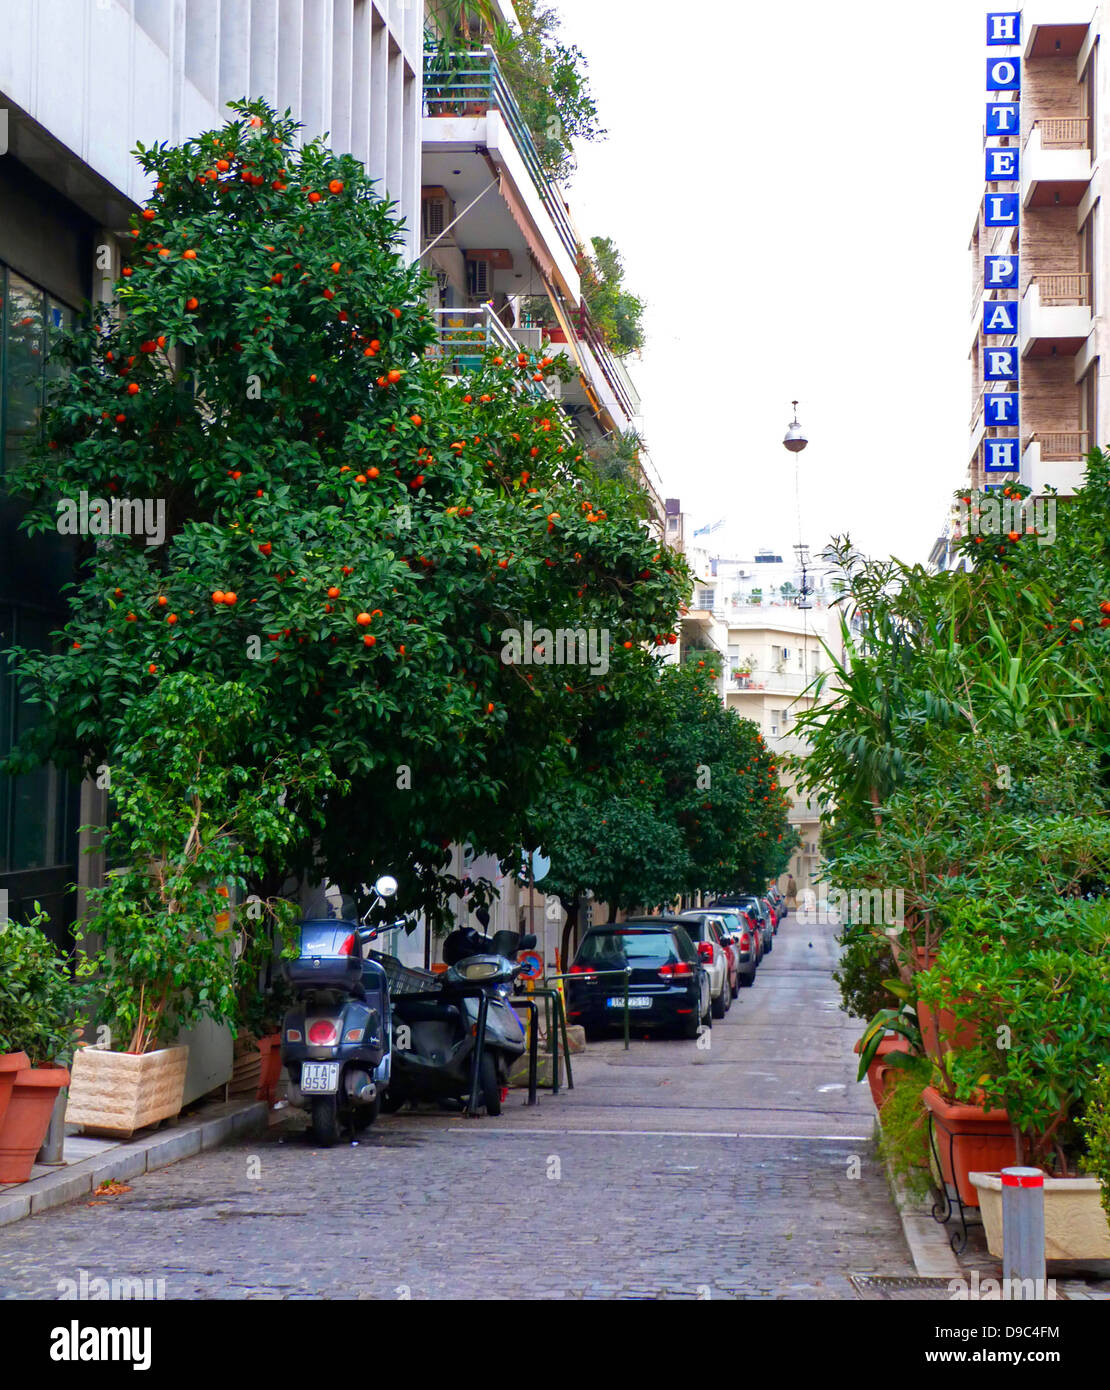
(349, 530)
(686, 799)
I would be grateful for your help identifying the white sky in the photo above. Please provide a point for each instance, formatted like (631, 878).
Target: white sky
(793, 185)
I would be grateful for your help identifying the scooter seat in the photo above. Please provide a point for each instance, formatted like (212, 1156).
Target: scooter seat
(425, 1012)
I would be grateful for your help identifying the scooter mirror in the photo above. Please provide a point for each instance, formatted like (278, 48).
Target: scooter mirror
(386, 886)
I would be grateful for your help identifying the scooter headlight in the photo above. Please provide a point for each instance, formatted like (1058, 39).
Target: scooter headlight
(479, 970)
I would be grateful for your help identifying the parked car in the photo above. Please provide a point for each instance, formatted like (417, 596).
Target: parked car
(716, 950)
(773, 910)
(776, 896)
(668, 984)
(744, 935)
(758, 910)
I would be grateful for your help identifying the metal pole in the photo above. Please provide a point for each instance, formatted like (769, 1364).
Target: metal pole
(626, 1023)
(50, 1155)
(1023, 1260)
(479, 1049)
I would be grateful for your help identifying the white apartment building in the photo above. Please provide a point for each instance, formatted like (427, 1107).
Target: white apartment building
(776, 648)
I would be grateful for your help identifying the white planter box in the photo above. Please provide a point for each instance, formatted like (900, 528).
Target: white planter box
(1075, 1224)
(119, 1092)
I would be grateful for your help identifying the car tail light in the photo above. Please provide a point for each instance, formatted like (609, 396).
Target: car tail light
(292, 1035)
(745, 941)
(323, 1033)
(705, 950)
(347, 946)
(675, 968)
(582, 970)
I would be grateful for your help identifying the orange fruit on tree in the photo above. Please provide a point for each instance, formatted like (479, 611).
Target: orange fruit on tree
(369, 639)
(230, 598)
(372, 472)
(364, 620)
(192, 303)
(333, 592)
(314, 197)
(189, 255)
(162, 600)
(335, 186)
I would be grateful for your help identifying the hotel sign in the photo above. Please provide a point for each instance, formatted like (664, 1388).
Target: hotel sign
(1001, 273)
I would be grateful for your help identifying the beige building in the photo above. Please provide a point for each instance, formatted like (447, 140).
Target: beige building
(1059, 133)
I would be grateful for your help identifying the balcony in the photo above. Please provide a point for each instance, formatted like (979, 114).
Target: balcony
(612, 386)
(770, 681)
(1055, 316)
(474, 129)
(465, 336)
(1056, 459)
(1056, 163)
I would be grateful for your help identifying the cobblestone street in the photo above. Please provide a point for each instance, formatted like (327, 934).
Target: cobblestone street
(668, 1171)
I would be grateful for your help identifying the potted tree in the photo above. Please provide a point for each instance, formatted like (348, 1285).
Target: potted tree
(1040, 1005)
(190, 821)
(39, 1003)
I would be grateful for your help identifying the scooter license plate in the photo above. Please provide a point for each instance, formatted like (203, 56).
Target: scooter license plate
(319, 1078)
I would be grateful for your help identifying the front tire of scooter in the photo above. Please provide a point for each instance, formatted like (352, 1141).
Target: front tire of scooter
(491, 1087)
(325, 1121)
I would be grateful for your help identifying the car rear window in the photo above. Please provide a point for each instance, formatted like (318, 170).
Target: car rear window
(695, 928)
(631, 944)
(729, 920)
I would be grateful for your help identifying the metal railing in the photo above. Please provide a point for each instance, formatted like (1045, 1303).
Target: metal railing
(1069, 288)
(1057, 446)
(470, 84)
(1064, 133)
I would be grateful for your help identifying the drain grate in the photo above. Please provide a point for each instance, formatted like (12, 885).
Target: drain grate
(912, 1286)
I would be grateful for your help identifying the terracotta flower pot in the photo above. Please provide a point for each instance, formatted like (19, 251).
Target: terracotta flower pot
(880, 1074)
(27, 1119)
(970, 1140)
(10, 1064)
(270, 1049)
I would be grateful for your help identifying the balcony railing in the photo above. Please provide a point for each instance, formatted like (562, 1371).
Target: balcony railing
(1064, 133)
(1070, 288)
(465, 336)
(1057, 446)
(470, 84)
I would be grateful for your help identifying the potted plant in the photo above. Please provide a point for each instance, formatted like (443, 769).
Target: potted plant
(39, 1003)
(190, 821)
(1039, 1002)
(891, 1040)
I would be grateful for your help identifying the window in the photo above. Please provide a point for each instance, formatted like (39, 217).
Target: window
(1088, 404)
(30, 319)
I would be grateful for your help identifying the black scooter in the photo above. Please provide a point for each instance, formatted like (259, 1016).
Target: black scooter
(442, 1035)
(336, 1040)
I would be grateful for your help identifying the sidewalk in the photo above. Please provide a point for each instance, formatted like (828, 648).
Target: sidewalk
(91, 1162)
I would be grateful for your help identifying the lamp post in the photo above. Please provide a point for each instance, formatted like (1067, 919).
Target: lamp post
(795, 439)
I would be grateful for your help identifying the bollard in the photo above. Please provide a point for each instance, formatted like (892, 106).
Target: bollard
(50, 1155)
(1023, 1263)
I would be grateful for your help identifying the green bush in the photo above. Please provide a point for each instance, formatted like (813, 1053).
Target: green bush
(1096, 1128)
(39, 999)
(903, 1133)
(864, 964)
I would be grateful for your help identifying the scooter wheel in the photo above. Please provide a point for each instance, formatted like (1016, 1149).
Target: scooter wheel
(325, 1121)
(491, 1087)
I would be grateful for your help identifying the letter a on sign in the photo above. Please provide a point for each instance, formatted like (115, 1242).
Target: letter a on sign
(1000, 317)
(1001, 209)
(1000, 364)
(1003, 74)
(1000, 272)
(1004, 28)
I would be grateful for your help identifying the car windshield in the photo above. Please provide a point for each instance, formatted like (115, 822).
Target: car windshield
(630, 945)
(729, 920)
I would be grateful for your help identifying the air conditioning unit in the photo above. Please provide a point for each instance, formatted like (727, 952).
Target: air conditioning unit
(437, 212)
(479, 278)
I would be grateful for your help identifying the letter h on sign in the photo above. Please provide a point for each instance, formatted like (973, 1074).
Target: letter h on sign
(1000, 455)
(1004, 28)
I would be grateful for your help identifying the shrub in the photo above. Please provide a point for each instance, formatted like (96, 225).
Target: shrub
(39, 999)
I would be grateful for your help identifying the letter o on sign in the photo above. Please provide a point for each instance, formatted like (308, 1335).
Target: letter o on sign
(1003, 74)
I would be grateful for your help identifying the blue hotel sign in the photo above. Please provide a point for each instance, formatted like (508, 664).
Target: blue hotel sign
(1002, 165)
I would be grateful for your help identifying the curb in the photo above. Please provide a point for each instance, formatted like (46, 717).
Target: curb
(933, 1257)
(131, 1159)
